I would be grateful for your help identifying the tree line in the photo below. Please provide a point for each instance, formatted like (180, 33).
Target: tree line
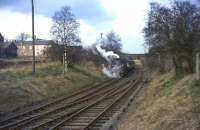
(172, 35)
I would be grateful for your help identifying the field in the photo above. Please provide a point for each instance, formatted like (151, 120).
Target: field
(19, 87)
(166, 103)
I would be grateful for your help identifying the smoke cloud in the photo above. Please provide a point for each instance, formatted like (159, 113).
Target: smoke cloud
(112, 68)
(109, 55)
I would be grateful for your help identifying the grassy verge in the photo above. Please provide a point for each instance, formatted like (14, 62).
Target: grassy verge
(166, 103)
(19, 87)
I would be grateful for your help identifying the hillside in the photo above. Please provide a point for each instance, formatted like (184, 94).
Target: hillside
(166, 103)
(19, 87)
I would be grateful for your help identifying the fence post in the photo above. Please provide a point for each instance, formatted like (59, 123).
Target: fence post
(197, 66)
(65, 62)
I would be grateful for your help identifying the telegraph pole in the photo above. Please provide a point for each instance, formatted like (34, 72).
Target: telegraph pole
(197, 65)
(33, 36)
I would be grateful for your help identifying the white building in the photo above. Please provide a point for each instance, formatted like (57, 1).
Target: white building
(25, 48)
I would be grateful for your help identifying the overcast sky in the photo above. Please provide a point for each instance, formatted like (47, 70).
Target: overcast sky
(126, 17)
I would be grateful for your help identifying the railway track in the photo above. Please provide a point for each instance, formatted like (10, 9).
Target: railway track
(93, 116)
(80, 111)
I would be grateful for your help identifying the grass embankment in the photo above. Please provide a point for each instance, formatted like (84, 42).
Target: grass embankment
(18, 86)
(166, 103)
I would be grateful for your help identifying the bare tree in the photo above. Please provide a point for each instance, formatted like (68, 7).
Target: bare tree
(174, 32)
(65, 27)
(22, 37)
(1, 38)
(112, 42)
(157, 34)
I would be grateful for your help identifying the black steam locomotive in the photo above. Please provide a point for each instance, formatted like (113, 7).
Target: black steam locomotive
(119, 67)
(127, 67)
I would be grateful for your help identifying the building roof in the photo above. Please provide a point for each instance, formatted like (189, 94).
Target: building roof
(28, 43)
(6, 44)
(37, 42)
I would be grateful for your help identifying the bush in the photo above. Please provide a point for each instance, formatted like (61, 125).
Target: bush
(91, 54)
(56, 52)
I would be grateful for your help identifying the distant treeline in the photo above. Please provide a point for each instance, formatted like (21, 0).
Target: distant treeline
(173, 35)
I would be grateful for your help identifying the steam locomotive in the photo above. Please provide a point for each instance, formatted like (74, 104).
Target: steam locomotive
(127, 67)
(118, 67)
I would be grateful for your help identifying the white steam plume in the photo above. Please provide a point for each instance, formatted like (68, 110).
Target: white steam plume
(113, 68)
(108, 55)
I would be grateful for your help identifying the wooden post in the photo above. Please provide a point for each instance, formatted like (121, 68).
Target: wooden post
(65, 62)
(197, 66)
(159, 61)
(33, 36)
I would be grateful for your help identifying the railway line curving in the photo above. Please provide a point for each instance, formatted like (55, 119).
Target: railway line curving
(89, 109)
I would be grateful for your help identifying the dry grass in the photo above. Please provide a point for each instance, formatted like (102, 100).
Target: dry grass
(19, 87)
(168, 103)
